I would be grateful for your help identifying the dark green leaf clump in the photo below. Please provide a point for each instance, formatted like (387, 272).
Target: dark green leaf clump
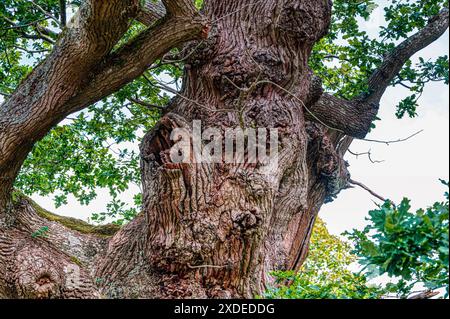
(410, 247)
(413, 246)
(41, 232)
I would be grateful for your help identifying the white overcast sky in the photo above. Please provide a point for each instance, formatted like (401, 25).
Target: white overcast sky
(411, 169)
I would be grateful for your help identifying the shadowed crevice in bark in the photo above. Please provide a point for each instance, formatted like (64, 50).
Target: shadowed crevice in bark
(42, 258)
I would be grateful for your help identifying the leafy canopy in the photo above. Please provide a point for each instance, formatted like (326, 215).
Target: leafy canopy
(325, 274)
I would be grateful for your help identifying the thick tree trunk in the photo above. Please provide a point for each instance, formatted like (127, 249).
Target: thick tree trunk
(206, 230)
(230, 225)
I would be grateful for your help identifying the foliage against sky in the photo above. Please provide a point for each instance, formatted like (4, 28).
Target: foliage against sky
(97, 147)
(325, 274)
(411, 248)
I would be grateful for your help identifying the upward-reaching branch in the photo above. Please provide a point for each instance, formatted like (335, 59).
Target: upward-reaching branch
(65, 81)
(134, 58)
(396, 59)
(37, 104)
(151, 12)
(354, 118)
(180, 8)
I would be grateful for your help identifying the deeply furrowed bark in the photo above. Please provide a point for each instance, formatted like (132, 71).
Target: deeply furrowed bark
(207, 230)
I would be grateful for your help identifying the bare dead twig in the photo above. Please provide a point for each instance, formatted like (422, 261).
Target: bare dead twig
(369, 155)
(19, 26)
(46, 13)
(30, 51)
(353, 182)
(145, 104)
(388, 143)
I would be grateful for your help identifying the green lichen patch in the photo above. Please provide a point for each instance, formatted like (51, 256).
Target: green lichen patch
(69, 222)
(76, 261)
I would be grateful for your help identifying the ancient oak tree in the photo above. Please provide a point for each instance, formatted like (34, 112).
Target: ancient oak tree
(206, 230)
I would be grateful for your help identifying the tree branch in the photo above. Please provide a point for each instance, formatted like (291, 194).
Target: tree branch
(38, 103)
(351, 117)
(30, 51)
(145, 104)
(368, 190)
(394, 61)
(425, 295)
(134, 58)
(81, 70)
(369, 155)
(151, 12)
(46, 13)
(400, 140)
(180, 8)
(40, 31)
(355, 117)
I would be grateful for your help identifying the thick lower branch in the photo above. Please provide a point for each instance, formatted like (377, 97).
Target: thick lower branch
(79, 73)
(353, 118)
(38, 103)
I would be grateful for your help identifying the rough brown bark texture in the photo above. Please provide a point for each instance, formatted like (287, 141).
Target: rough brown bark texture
(206, 230)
